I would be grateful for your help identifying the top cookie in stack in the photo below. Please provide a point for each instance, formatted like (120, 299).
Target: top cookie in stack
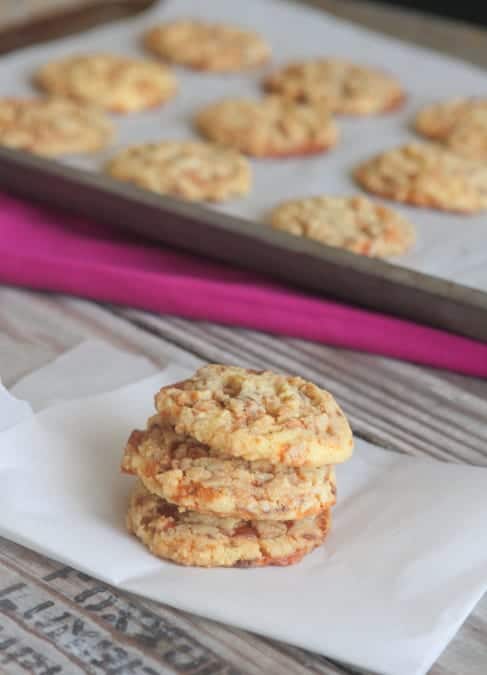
(236, 468)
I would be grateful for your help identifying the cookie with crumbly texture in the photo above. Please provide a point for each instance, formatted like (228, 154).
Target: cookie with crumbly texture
(52, 126)
(258, 415)
(190, 538)
(425, 174)
(356, 224)
(207, 46)
(343, 87)
(271, 127)
(190, 475)
(190, 170)
(461, 124)
(116, 83)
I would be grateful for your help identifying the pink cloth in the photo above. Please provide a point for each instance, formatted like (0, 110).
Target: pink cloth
(51, 251)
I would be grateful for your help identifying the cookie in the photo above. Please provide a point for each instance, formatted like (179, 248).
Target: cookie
(115, 83)
(425, 174)
(206, 46)
(190, 538)
(186, 169)
(52, 126)
(461, 124)
(271, 127)
(354, 223)
(190, 475)
(345, 88)
(258, 415)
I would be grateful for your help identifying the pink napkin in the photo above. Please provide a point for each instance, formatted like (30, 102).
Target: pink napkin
(47, 250)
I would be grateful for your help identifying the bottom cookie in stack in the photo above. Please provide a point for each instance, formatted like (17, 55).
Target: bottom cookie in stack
(191, 538)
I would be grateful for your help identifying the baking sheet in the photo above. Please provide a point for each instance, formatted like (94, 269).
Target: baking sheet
(449, 246)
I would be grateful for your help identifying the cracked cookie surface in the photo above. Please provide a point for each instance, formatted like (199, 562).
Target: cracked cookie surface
(191, 170)
(460, 124)
(343, 87)
(190, 538)
(207, 46)
(52, 126)
(190, 475)
(116, 83)
(356, 224)
(258, 416)
(271, 127)
(425, 174)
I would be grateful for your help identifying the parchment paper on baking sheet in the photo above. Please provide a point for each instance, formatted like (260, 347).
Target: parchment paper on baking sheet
(450, 246)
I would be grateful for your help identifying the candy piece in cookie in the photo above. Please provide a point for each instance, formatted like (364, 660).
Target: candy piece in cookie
(190, 538)
(270, 127)
(207, 46)
(258, 416)
(190, 475)
(190, 170)
(425, 174)
(116, 83)
(345, 88)
(460, 124)
(356, 224)
(52, 126)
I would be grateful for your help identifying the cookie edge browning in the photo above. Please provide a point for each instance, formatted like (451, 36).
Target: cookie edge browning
(308, 149)
(394, 104)
(154, 543)
(39, 81)
(421, 127)
(236, 188)
(148, 40)
(103, 125)
(414, 198)
(205, 499)
(256, 448)
(406, 229)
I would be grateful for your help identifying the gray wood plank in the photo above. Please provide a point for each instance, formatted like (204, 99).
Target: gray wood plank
(409, 409)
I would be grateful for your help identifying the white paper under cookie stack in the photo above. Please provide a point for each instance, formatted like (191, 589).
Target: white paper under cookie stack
(404, 564)
(236, 469)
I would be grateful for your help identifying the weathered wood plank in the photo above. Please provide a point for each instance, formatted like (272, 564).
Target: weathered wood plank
(396, 404)
(89, 617)
(450, 409)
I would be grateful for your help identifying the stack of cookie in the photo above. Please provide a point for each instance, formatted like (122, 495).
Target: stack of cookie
(236, 469)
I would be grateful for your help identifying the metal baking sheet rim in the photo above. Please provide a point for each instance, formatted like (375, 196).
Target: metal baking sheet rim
(323, 270)
(337, 274)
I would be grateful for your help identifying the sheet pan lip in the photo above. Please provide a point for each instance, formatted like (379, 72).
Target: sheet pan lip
(313, 267)
(58, 23)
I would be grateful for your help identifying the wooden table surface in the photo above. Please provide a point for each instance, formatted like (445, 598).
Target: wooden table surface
(54, 619)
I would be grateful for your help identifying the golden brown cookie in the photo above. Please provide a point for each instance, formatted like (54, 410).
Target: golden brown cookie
(115, 83)
(356, 224)
(206, 46)
(428, 175)
(258, 416)
(190, 538)
(190, 475)
(461, 124)
(345, 88)
(186, 169)
(271, 127)
(52, 126)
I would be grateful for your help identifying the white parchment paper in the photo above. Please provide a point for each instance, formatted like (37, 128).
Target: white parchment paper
(449, 245)
(404, 564)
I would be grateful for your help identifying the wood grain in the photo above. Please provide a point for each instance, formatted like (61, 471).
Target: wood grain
(96, 628)
(54, 619)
